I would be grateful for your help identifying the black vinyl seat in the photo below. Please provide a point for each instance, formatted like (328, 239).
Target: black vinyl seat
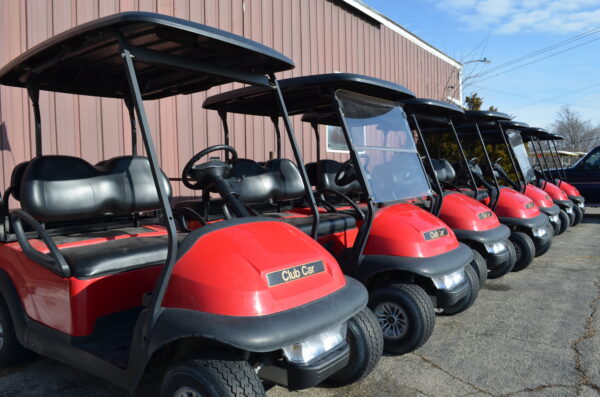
(63, 188)
(115, 256)
(328, 223)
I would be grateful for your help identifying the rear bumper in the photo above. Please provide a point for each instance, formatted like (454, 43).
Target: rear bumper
(298, 377)
(446, 298)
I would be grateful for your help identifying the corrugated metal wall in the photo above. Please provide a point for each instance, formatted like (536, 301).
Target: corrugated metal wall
(319, 35)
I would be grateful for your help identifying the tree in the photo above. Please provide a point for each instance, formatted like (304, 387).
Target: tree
(579, 134)
(473, 102)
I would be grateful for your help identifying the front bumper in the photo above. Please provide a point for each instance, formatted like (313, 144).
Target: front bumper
(495, 260)
(552, 213)
(541, 242)
(480, 238)
(298, 377)
(578, 201)
(445, 298)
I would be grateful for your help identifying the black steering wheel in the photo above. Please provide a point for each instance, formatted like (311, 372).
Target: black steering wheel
(345, 174)
(194, 176)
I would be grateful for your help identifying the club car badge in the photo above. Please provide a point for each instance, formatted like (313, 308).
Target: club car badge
(294, 273)
(529, 205)
(485, 215)
(432, 235)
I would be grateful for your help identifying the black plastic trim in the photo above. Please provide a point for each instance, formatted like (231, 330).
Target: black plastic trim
(530, 223)
(564, 203)
(445, 298)
(550, 211)
(499, 233)
(577, 199)
(432, 266)
(262, 333)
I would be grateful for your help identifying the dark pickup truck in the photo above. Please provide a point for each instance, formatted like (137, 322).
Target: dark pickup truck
(585, 176)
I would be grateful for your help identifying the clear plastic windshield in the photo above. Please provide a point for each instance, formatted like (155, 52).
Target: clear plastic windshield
(386, 148)
(520, 151)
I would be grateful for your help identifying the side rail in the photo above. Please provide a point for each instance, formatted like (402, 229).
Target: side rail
(53, 261)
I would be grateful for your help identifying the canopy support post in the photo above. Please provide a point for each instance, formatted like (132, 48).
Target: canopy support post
(163, 281)
(34, 96)
(131, 110)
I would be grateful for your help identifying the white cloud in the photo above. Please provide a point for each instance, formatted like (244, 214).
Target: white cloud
(512, 16)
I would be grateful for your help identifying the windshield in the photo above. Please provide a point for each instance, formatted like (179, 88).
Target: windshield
(520, 151)
(385, 146)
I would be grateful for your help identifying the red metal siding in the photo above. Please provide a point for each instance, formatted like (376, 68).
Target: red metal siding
(319, 35)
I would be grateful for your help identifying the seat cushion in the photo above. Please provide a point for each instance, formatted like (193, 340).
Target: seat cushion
(115, 256)
(328, 223)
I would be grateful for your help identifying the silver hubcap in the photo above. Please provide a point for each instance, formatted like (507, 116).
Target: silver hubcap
(392, 320)
(187, 392)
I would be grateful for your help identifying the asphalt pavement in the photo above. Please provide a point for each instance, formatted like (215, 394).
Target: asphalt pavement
(531, 333)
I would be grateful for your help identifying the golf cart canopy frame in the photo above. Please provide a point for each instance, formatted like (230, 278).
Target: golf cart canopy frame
(537, 135)
(137, 56)
(314, 97)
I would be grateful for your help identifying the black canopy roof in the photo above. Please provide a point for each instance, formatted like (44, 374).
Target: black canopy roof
(484, 115)
(540, 133)
(431, 113)
(308, 94)
(172, 56)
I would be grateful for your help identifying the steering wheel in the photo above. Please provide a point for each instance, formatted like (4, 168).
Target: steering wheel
(345, 174)
(193, 176)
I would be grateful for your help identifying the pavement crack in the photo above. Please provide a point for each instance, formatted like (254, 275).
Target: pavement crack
(436, 366)
(537, 388)
(588, 332)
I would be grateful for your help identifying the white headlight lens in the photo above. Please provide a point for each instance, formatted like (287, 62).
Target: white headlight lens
(495, 248)
(449, 281)
(304, 352)
(539, 232)
(569, 210)
(581, 205)
(554, 218)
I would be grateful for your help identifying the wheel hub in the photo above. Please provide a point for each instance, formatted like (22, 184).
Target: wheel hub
(392, 319)
(187, 391)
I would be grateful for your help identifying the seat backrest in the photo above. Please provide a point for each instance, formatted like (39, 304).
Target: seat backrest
(63, 188)
(443, 170)
(327, 177)
(277, 179)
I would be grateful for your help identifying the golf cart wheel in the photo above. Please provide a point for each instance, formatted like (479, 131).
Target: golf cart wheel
(578, 215)
(406, 316)
(11, 351)
(366, 347)
(211, 378)
(546, 247)
(480, 266)
(557, 227)
(507, 266)
(467, 301)
(565, 221)
(524, 248)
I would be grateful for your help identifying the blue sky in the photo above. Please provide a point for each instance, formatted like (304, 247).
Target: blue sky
(503, 30)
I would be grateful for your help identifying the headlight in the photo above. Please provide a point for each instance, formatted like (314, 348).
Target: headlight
(495, 248)
(449, 281)
(581, 205)
(305, 352)
(554, 218)
(569, 210)
(539, 232)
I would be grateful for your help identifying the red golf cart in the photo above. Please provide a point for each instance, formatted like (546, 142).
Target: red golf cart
(473, 222)
(89, 277)
(409, 259)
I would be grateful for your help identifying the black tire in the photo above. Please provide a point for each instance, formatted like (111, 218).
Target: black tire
(507, 266)
(212, 377)
(572, 217)
(467, 301)
(413, 312)
(565, 221)
(578, 215)
(548, 245)
(525, 249)
(11, 351)
(557, 227)
(366, 347)
(480, 266)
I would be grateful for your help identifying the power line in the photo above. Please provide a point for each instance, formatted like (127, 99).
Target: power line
(541, 51)
(538, 60)
(541, 100)
(557, 96)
